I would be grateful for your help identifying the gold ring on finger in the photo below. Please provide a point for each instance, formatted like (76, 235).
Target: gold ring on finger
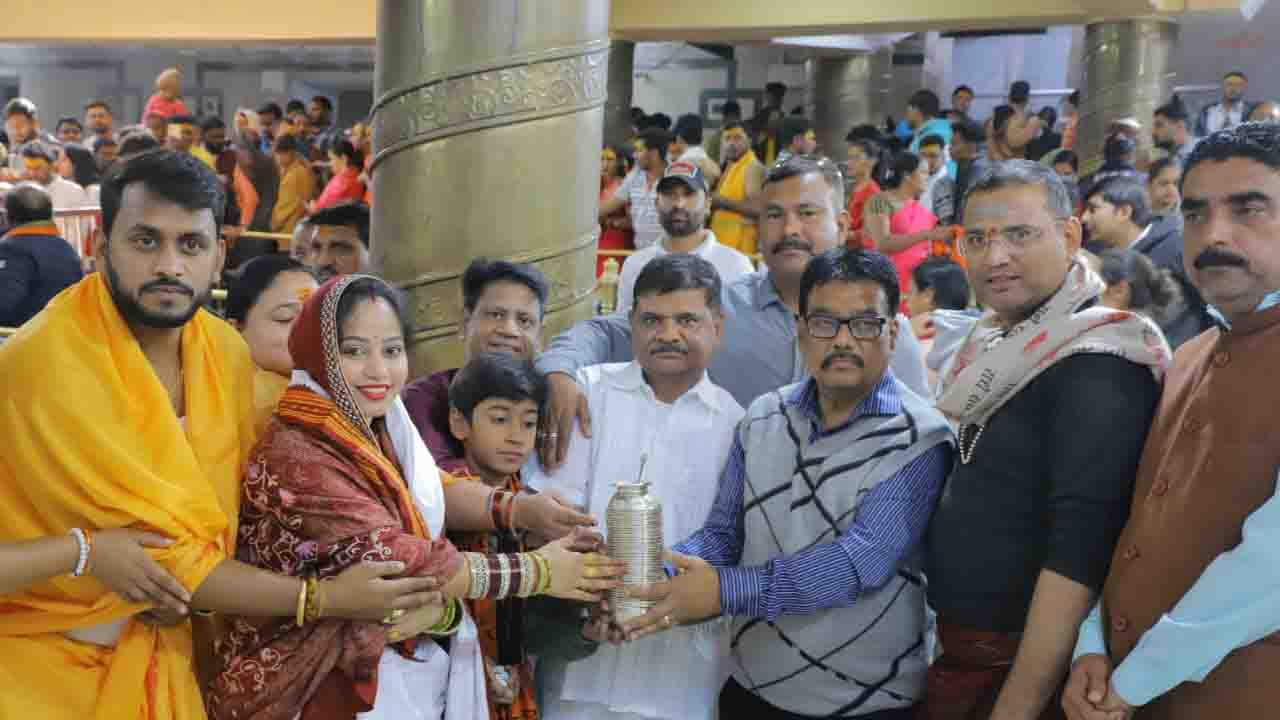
(392, 617)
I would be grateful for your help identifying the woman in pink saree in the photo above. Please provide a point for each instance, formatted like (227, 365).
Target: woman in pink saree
(895, 221)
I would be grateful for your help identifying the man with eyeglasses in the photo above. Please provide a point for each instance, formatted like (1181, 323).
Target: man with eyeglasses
(1052, 395)
(802, 215)
(812, 548)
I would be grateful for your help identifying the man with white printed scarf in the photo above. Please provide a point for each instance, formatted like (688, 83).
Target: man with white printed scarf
(1052, 395)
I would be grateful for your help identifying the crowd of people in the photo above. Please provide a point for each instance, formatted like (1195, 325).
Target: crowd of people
(973, 442)
(277, 165)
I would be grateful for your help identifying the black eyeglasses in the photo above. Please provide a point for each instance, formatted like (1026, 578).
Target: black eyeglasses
(861, 327)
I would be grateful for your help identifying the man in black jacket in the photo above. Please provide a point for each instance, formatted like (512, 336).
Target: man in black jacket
(35, 262)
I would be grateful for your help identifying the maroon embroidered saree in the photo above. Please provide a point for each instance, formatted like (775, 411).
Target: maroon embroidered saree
(322, 492)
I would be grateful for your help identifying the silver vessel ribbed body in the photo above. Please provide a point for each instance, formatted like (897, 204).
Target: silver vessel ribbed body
(634, 524)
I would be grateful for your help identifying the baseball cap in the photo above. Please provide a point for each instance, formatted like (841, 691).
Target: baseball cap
(1019, 91)
(1128, 121)
(686, 172)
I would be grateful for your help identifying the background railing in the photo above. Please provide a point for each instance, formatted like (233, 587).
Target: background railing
(84, 244)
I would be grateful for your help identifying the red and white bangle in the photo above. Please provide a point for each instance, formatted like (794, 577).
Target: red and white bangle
(82, 540)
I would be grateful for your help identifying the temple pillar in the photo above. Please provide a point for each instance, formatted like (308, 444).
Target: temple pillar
(844, 92)
(617, 107)
(1127, 73)
(488, 120)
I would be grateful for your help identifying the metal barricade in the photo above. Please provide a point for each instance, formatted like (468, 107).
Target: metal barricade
(80, 227)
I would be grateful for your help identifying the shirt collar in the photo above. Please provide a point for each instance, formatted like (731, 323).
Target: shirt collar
(702, 250)
(765, 293)
(884, 399)
(1269, 301)
(1142, 235)
(630, 378)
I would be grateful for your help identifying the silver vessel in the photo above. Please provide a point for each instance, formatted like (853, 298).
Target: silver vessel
(634, 524)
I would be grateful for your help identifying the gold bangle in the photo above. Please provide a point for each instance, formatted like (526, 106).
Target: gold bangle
(450, 621)
(300, 617)
(313, 610)
(544, 569)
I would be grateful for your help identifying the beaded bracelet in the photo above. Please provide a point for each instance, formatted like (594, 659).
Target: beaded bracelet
(500, 509)
(88, 554)
(82, 561)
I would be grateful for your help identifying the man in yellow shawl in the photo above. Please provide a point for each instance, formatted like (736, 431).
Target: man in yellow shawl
(735, 217)
(126, 405)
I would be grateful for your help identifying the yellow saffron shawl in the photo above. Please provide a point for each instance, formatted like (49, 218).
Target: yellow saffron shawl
(91, 440)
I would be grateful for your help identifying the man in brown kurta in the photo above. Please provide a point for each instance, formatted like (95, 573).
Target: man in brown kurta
(1209, 464)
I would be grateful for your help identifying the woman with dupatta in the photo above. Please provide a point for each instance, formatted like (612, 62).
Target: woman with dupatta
(342, 475)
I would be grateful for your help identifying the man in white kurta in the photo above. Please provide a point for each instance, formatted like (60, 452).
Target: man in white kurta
(663, 412)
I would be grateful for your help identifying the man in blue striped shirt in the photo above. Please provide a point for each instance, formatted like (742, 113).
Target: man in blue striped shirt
(812, 546)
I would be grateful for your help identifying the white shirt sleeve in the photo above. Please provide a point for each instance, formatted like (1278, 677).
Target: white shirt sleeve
(627, 281)
(1234, 603)
(573, 479)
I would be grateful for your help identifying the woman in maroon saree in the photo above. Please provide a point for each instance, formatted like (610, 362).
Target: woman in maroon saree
(341, 476)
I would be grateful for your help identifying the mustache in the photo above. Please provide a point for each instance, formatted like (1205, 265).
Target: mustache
(1217, 257)
(792, 243)
(660, 348)
(842, 355)
(168, 285)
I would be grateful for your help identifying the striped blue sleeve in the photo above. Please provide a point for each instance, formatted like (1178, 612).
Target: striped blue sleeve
(889, 525)
(719, 542)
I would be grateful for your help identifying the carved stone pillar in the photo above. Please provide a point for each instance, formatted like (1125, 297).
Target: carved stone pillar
(1126, 74)
(844, 92)
(617, 107)
(487, 122)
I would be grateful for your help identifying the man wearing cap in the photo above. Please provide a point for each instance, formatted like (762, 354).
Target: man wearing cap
(636, 193)
(682, 211)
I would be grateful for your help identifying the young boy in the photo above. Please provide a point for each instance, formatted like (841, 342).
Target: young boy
(494, 404)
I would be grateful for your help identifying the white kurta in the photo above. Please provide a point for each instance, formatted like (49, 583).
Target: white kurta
(675, 674)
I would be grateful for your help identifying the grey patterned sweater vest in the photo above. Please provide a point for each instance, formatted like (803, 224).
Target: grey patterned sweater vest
(843, 661)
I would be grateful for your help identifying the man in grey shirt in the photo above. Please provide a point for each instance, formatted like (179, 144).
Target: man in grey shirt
(803, 215)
